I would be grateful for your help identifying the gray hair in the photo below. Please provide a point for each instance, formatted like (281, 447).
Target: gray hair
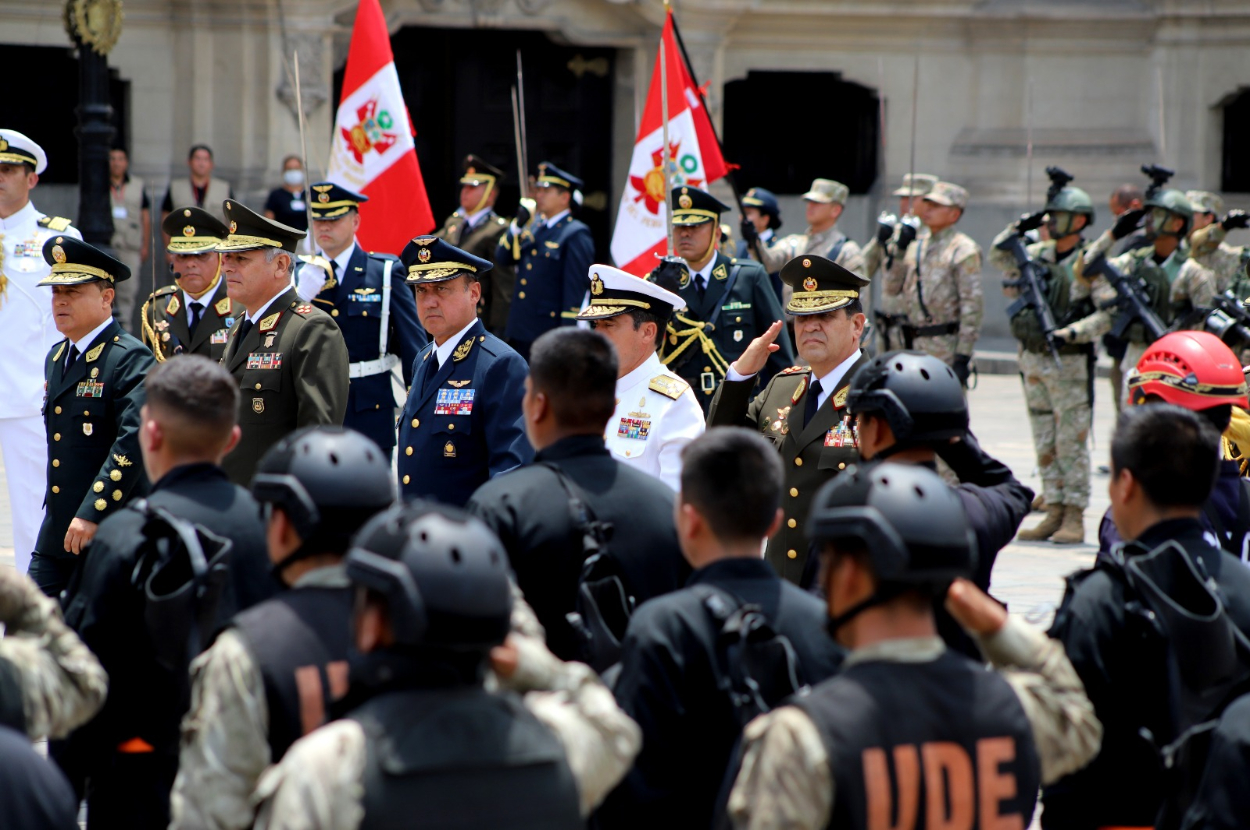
(273, 253)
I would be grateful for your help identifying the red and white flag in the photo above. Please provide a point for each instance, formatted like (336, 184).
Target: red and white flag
(372, 151)
(693, 154)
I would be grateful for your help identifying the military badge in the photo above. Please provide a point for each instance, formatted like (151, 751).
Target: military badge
(454, 402)
(782, 424)
(807, 263)
(162, 325)
(269, 339)
(810, 284)
(459, 384)
(720, 272)
(684, 280)
(95, 372)
(462, 351)
(270, 321)
(843, 435)
(122, 461)
(173, 305)
(94, 354)
(596, 285)
(90, 389)
(187, 214)
(638, 429)
(424, 254)
(165, 337)
(264, 360)
(839, 398)
(222, 307)
(799, 390)
(58, 253)
(219, 337)
(187, 230)
(738, 336)
(449, 450)
(323, 198)
(303, 309)
(86, 429)
(258, 405)
(234, 226)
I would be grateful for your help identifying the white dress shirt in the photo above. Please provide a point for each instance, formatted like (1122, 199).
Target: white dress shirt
(649, 429)
(85, 343)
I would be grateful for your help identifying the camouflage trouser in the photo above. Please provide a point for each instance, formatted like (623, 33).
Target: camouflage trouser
(942, 346)
(1132, 354)
(889, 334)
(1059, 413)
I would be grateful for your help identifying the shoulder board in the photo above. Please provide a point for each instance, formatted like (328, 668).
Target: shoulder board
(165, 291)
(55, 223)
(302, 309)
(667, 386)
(60, 350)
(383, 257)
(794, 370)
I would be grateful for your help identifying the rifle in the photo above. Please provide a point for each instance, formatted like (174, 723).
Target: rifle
(1129, 299)
(1032, 293)
(1227, 319)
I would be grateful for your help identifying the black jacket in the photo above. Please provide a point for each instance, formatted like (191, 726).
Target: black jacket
(668, 685)
(529, 512)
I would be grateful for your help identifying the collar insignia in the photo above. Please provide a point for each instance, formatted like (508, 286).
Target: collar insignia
(462, 351)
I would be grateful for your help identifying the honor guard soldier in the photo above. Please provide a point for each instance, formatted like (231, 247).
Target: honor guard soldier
(26, 318)
(940, 283)
(462, 423)
(475, 228)
(909, 728)
(366, 296)
(1057, 379)
(657, 413)
(194, 315)
(288, 357)
(803, 409)
(887, 249)
(825, 201)
(551, 257)
(91, 410)
(423, 737)
(762, 211)
(1207, 245)
(729, 301)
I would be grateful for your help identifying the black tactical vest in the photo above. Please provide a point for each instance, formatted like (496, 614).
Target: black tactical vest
(1158, 293)
(462, 759)
(300, 640)
(1027, 328)
(907, 742)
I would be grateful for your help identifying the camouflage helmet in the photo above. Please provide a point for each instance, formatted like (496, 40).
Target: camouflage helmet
(1173, 201)
(1072, 200)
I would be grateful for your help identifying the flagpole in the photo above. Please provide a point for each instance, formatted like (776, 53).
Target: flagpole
(668, 167)
(303, 142)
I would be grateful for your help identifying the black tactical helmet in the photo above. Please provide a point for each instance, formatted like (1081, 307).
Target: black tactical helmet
(328, 481)
(917, 394)
(444, 575)
(912, 524)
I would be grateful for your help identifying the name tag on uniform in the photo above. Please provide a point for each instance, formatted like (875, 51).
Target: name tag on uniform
(265, 360)
(636, 428)
(454, 402)
(843, 435)
(91, 389)
(219, 336)
(119, 212)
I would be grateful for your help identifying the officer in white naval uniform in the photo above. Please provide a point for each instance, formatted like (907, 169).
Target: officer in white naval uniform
(657, 414)
(26, 320)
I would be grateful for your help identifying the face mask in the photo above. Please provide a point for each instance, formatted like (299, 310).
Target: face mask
(293, 177)
(1061, 222)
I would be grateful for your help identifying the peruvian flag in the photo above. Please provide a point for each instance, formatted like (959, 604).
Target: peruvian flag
(372, 151)
(693, 155)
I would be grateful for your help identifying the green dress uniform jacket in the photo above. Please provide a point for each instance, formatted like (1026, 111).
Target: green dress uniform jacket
(812, 455)
(91, 414)
(165, 328)
(481, 240)
(292, 372)
(737, 306)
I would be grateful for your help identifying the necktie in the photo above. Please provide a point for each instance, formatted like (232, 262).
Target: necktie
(813, 402)
(69, 361)
(431, 369)
(244, 328)
(699, 284)
(197, 311)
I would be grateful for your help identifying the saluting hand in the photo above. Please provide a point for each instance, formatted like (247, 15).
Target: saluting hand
(751, 361)
(974, 609)
(79, 534)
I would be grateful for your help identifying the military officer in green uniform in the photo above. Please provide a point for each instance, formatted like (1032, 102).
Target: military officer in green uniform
(476, 228)
(729, 301)
(194, 315)
(802, 410)
(289, 358)
(94, 391)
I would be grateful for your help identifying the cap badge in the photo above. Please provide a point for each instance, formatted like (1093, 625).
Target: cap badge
(685, 201)
(58, 253)
(234, 226)
(424, 255)
(807, 263)
(187, 230)
(187, 214)
(809, 284)
(596, 285)
(323, 197)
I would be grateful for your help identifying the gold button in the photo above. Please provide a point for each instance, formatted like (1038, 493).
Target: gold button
(522, 295)
(842, 465)
(451, 426)
(406, 479)
(85, 412)
(534, 252)
(57, 410)
(707, 368)
(523, 282)
(116, 475)
(334, 312)
(98, 487)
(364, 314)
(792, 523)
(794, 492)
(100, 504)
(553, 314)
(529, 267)
(56, 437)
(377, 406)
(56, 462)
(408, 451)
(798, 462)
(737, 319)
(55, 489)
(416, 422)
(792, 554)
(117, 495)
(258, 386)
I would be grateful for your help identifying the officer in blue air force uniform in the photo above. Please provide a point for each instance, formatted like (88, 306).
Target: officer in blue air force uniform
(462, 424)
(94, 390)
(366, 295)
(552, 256)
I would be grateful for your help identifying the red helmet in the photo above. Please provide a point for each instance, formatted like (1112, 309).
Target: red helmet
(1193, 369)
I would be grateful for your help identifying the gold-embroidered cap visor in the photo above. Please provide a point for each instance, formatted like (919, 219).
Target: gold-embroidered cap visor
(694, 217)
(243, 242)
(193, 244)
(70, 273)
(438, 271)
(333, 210)
(819, 302)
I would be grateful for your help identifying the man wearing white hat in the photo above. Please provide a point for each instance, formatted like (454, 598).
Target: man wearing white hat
(26, 319)
(657, 414)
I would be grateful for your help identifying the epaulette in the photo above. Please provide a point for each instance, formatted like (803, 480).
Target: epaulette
(302, 309)
(668, 387)
(383, 257)
(55, 223)
(165, 291)
(794, 370)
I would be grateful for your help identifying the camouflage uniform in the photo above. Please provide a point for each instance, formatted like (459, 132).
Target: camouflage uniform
(1226, 262)
(318, 783)
(63, 684)
(1058, 397)
(786, 780)
(1191, 285)
(889, 310)
(947, 284)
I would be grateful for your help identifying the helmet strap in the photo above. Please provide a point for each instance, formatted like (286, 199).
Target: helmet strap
(883, 594)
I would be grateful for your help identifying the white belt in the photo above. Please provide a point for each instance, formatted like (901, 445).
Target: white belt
(367, 368)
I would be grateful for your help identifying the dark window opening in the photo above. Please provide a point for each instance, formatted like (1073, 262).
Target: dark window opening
(830, 130)
(458, 87)
(1235, 168)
